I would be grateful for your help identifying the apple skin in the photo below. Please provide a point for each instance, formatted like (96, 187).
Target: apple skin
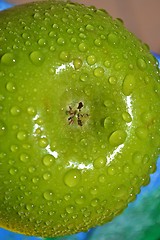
(79, 118)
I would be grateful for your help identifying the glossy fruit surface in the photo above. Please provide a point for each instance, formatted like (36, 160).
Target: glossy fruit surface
(79, 118)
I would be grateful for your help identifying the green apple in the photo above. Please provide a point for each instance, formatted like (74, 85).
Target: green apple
(79, 117)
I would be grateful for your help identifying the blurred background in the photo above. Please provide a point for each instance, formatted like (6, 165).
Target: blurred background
(141, 17)
(141, 220)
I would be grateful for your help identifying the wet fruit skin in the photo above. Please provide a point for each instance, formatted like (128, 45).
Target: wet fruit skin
(79, 118)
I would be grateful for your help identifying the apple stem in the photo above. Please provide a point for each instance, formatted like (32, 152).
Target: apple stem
(76, 115)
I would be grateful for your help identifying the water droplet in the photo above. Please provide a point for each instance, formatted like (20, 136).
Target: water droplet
(31, 169)
(24, 157)
(48, 195)
(8, 59)
(64, 56)
(98, 42)
(112, 80)
(43, 142)
(37, 15)
(13, 171)
(111, 170)
(47, 176)
(21, 135)
(94, 202)
(137, 158)
(10, 86)
(70, 31)
(73, 40)
(141, 64)
(102, 178)
(141, 132)
(98, 72)
(69, 209)
(99, 162)
(82, 47)
(93, 190)
(31, 111)
(80, 199)
(15, 110)
(14, 148)
(89, 27)
(82, 35)
(113, 39)
(109, 103)
(25, 35)
(120, 192)
(2, 128)
(128, 84)
(77, 63)
(83, 77)
(35, 179)
(48, 160)
(36, 58)
(60, 41)
(42, 42)
(72, 177)
(107, 64)
(117, 137)
(91, 59)
(126, 117)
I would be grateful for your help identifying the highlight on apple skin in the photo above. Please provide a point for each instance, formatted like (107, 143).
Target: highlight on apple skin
(79, 117)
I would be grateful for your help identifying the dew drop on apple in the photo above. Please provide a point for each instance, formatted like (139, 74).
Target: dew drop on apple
(48, 160)
(117, 137)
(46, 176)
(111, 170)
(72, 177)
(84, 77)
(60, 41)
(93, 190)
(42, 42)
(128, 84)
(89, 27)
(64, 56)
(31, 111)
(95, 202)
(120, 191)
(2, 128)
(14, 148)
(102, 178)
(24, 157)
(113, 39)
(98, 42)
(82, 47)
(43, 142)
(112, 80)
(126, 117)
(31, 169)
(8, 59)
(141, 132)
(91, 59)
(15, 110)
(137, 158)
(36, 57)
(141, 64)
(10, 86)
(99, 162)
(48, 195)
(13, 171)
(77, 63)
(98, 72)
(80, 199)
(69, 209)
(21, 135)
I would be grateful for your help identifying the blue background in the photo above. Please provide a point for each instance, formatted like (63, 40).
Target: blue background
(140, 221)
